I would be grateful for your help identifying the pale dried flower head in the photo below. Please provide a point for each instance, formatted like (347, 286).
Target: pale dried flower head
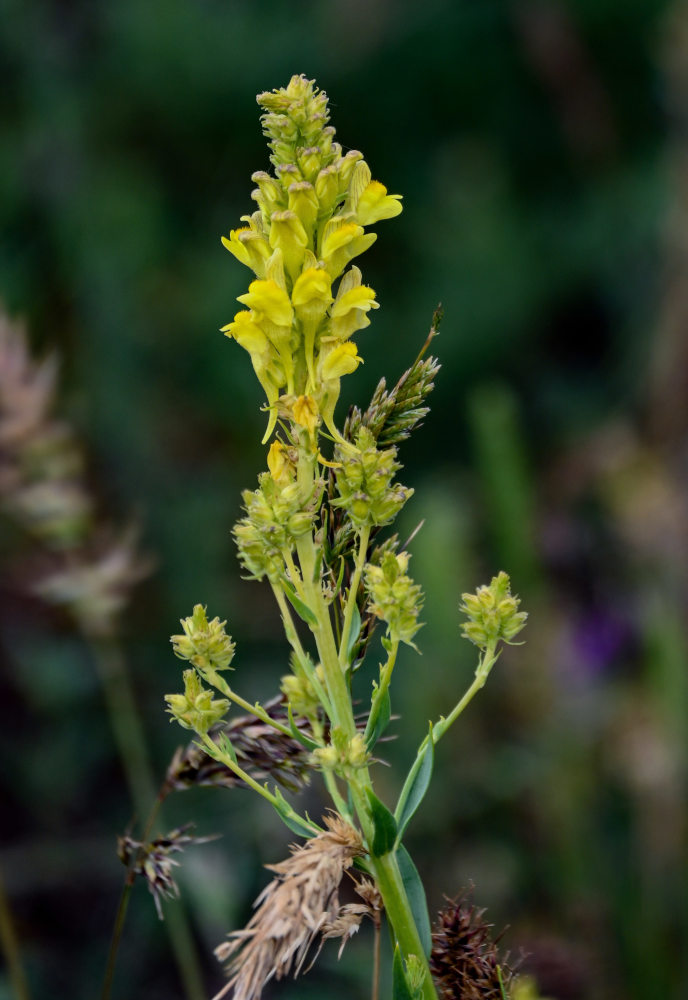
(296, 907)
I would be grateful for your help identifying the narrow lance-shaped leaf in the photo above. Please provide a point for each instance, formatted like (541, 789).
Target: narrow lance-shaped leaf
(416, 897)
(385, 826)
(416, 784)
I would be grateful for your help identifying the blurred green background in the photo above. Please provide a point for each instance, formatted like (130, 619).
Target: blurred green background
(540, 146)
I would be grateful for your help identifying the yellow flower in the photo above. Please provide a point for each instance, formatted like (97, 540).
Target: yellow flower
(312, 292)
(249, 247)
(305, 412)
(303, 201)
(375, 204)
(337, 234)
(264, 357)
(338, 360)
(268, 301)
(279, 465)
(311, 296)
(349, 311)
(341, 241)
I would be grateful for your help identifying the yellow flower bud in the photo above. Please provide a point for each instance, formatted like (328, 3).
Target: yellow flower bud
(287, 233)
(303, 201)
(327, 189)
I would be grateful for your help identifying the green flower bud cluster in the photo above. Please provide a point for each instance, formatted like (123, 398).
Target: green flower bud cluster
(300, 695)
(492, 613)
(196, 709)
(204, 644)
(394, 597)
(275, 518)
(342, 754)
(364, 483)
(309, 225)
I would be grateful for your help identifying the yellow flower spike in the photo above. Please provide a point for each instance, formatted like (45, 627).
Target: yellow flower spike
(287, 233)
(303, 201)
(279, 465)
(311, 296)
(305, 413)
(349, 311)
(375, 204)
(268, 301)
(338, 360)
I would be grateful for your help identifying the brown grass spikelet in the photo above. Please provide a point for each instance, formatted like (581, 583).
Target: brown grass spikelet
(465, 962)
(291, 911)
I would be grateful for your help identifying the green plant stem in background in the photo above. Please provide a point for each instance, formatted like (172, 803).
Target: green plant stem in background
(10, 948)
(128, 732)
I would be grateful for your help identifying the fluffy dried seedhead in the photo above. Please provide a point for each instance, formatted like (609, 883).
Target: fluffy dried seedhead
(292, 911)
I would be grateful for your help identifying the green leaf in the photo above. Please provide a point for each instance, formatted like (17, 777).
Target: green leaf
(225, 746)
(400, 987)
(385, 826)
(378, 720)
(298, 735)
(288, 817)
(353, 633)
(416, 897)
(416, 784)
(302, 610)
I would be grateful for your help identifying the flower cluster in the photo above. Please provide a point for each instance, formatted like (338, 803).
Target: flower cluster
(364, 483)
(309, 225)
(394, 597)
(275, 518)
(204, 644)
(196, 709)
(492, 614)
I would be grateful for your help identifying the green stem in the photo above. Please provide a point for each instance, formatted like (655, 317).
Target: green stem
(396, 903)
(487, 661)
(336, 796)
(294, 574)
(256, 710)
(385, 868)
(10, 948)
(128, 732)
(352, 600)
(302, 657)
(337, 688)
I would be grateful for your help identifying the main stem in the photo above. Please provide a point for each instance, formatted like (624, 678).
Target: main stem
(385, 868)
